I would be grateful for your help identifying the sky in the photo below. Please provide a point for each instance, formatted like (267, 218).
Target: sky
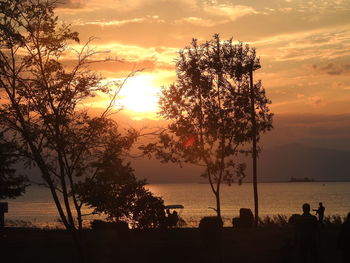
(304, 47)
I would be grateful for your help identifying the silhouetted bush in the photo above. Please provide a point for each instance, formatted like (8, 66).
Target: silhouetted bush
(235, 222)
(273, 221)
(282, 220)
(293, 219)
(120, 228)
(148, 211)
(116, 192)
(210, 228)
(210, 223)
(99, 224)
(245, 219)
(334, 220)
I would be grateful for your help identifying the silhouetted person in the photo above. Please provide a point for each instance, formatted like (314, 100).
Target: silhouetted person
(344, 240)
(320, 212)
(175, 218)
(168, 218)
(172, 218)
(307, 235)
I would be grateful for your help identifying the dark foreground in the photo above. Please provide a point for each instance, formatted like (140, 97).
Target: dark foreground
(173, 245)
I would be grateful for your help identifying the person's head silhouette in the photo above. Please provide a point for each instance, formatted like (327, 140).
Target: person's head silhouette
(306, 208)
(348, 217)
(320, 204)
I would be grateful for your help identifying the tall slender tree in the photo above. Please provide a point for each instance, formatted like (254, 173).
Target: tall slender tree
(209, 111)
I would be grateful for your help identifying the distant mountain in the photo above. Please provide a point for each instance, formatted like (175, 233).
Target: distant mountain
(279, 163)
(295, 160)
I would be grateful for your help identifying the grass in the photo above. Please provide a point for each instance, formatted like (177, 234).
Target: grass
(266, 221)
(271, 242)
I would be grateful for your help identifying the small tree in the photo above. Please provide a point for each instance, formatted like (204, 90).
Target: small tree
(115, 191)
(11, 184)
(209, 111)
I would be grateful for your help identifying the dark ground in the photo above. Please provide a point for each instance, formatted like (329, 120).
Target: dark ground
(269, 244)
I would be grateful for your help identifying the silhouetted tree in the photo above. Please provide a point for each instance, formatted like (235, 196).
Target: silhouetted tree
(116, 192)
(209, 110)
(41, 103)
(12, 185)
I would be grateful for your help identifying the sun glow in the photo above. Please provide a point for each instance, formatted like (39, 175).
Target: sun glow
(139, 97)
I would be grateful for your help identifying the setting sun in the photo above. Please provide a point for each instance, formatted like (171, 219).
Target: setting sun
(139, 96)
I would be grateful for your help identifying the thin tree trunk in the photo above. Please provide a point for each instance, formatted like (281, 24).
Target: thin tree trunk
(253, 117)
(218, 205)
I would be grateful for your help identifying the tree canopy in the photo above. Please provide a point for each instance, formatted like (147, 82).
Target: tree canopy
(116, 192)
(209, 110)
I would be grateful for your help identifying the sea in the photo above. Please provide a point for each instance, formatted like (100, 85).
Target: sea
(36, 207)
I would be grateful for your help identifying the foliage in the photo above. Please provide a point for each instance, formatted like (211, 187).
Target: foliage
(11, 184)
(275, 221)
(245, 219)
(334, 220)
(115, 191)
(210, 228)
(120, 228)
(210, 223)
(209, 110)
(284, 220)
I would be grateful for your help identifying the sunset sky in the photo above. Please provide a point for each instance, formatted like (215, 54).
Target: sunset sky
(304, 48)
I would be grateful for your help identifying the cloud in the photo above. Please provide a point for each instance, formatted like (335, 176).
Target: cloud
(333, 69)
(110, 68)
(316, 101)
(122, 6)
(341, 85)
(230, 12)
(115, 22)
(324, 43)
(70, 4)
(197, 21)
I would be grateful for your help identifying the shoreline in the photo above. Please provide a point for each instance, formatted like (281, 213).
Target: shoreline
(277, 220)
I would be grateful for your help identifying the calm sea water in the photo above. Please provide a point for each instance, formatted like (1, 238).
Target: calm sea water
(275, 198)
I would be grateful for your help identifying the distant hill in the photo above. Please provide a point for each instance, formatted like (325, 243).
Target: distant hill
(295, 160)
(278, 163)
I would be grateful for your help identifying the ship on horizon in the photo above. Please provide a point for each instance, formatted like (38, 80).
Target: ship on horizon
(305, 179)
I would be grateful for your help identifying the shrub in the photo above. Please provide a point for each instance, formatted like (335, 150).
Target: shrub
(245, 219)
(293, 219)
(210, 223)
(210, 228)
(333, 220)
(116, 192)
(120, 229)
(275, 221)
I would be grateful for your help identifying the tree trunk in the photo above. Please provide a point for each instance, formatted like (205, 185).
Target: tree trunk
(255, 183)
(78, 242)
(218, 205)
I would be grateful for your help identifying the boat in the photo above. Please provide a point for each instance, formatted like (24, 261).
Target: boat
(305, 179)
